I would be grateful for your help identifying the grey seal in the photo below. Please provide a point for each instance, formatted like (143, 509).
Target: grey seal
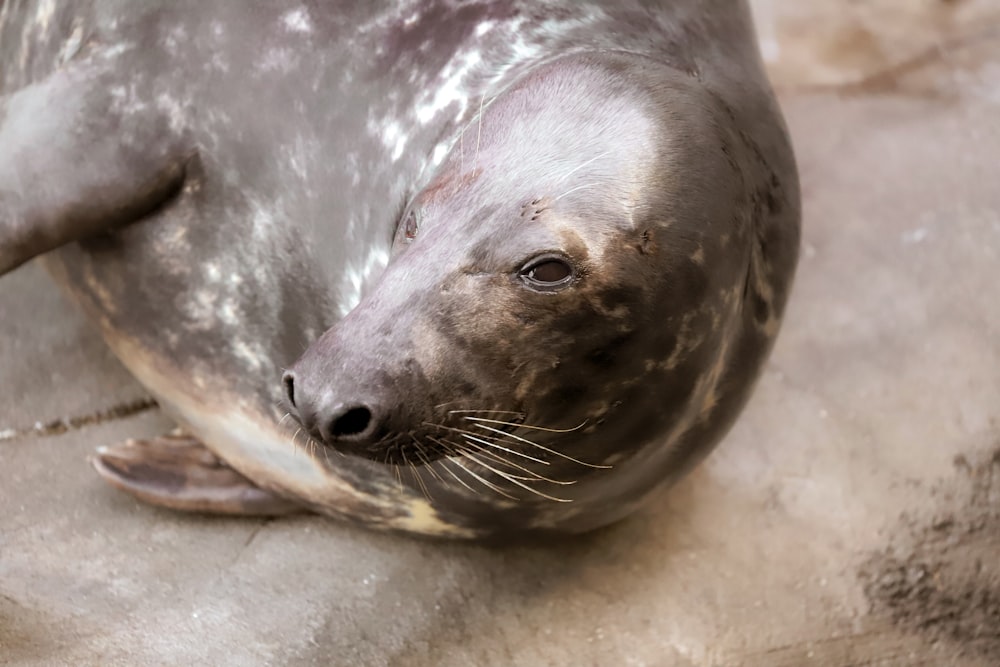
(455, 269)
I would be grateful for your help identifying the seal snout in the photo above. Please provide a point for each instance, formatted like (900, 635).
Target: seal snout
(344, 424)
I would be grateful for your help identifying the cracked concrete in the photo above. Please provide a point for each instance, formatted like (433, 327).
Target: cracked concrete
(886, 378)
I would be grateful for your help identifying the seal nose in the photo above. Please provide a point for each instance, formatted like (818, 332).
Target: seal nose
(350, 423)
(338, 423)
(288, 380)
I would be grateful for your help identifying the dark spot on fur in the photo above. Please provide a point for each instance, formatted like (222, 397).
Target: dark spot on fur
(646, 246)
(568, 394)
(761, 310)
(612, 298)
(773, 196)
(605, 356)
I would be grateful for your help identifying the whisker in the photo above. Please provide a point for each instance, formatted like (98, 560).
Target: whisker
(514, 480)
(427, 465)
(475, 436)
(447, 444)
(534, 475)
(572, 190)
(528, 426)
(495, 412)
(479, 132)
(326, 454)
(395, 471)
(416, 476)
(546, 449)
(581, 166)
(483, 480)
(505, 449)
(423, 458)
(457, 478)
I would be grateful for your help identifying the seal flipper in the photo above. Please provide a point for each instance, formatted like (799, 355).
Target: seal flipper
(77, 158)
(179, 472)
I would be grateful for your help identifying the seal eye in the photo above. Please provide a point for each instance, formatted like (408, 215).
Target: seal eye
(410, 225)
(547, 273)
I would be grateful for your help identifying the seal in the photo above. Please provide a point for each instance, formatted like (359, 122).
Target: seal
(456, 269)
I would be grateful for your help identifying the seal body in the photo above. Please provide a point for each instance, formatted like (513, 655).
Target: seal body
(519, 264)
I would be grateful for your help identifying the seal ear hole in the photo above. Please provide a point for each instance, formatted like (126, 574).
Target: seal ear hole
(547, 273)
(289, 381)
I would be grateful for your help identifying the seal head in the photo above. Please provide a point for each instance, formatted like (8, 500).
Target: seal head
(583, 282)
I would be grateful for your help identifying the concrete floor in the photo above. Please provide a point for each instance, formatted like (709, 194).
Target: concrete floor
(852, 517)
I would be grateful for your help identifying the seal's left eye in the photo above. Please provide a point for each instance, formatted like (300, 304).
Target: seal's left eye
(547, 273)
(410, 225)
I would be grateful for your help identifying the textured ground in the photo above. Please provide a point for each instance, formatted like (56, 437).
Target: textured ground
(851, 518)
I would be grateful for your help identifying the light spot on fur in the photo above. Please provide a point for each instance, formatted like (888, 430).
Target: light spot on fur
(411, 19)
(450, 90)
(394, 139)
(251, 355)
(278, 60)
(173, 110)
(43, 16)
(229, 314)
(72, 45)
(357, 275)
(297, 20)
(175, 40)
(484, 28)
(440, 153)
(263, 223)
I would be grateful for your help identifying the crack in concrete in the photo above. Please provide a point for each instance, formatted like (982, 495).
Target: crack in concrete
(64, 425)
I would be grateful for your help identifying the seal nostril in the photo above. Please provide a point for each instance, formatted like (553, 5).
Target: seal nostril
(353, 422)
(289, 380)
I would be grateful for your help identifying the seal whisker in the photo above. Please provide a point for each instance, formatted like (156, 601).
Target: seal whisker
(528, 426)
(494, 412)
(395, 472)
(546, 449)
(326, 453)
(428, 464)
(416, 476)
(423, 458)
(581, 166)
(457, 478)
(483, 480)
(579, 187)
(534, 475)
(505, 449)
(479, 132)
(447, 445)
(476, 437)
(515, 480)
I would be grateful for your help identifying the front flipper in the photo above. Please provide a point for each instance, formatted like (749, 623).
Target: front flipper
(81, 152)
(179, 472)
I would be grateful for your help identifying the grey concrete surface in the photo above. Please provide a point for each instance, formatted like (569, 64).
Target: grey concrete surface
(852, 517)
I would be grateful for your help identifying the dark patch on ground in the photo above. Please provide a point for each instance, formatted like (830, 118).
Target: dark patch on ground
(941, 577)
